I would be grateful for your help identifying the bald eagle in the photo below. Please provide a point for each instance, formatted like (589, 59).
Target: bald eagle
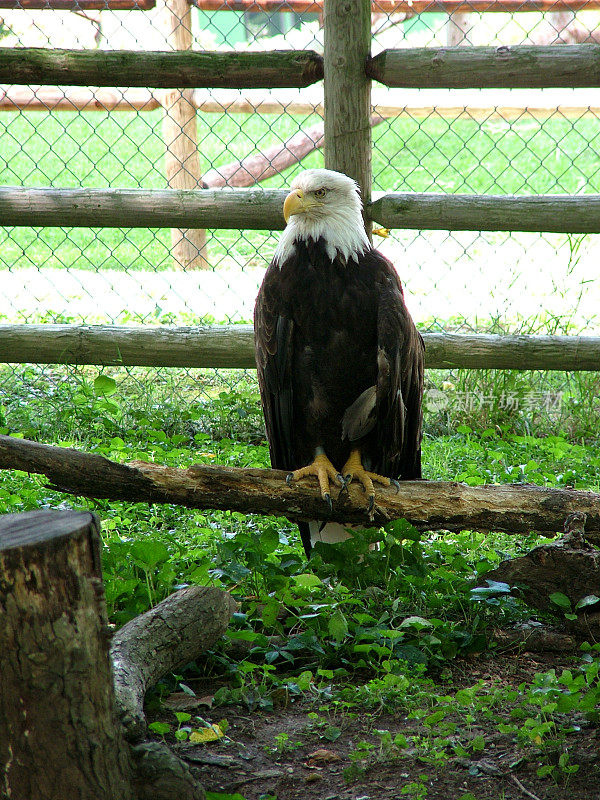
(340, 362)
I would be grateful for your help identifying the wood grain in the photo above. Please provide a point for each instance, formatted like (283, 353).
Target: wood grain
(521, 66)
(160, 69)
(429, 505)
(232, 347)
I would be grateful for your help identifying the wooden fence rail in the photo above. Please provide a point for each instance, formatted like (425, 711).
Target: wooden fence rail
(410, 7)
(232, 347)
(261, 209)
(160, 69)
(458, 212)
(522, 66)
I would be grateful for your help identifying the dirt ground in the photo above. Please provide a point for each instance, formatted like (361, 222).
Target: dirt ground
(308, 767)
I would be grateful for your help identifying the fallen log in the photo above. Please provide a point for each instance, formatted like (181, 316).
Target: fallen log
(162, 640)
(569, 567)
(534, 637)
(428, 505)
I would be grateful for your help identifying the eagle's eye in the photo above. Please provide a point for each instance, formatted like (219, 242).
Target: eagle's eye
(320, 193)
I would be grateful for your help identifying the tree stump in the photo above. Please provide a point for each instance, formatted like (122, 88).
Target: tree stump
(59, 734)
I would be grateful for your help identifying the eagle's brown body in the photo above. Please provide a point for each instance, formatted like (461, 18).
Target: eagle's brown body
(326, 331)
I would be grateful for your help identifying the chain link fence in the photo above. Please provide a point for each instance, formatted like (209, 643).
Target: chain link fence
(453, 141)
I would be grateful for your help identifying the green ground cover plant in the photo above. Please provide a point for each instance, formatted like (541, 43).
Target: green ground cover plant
(365, 654)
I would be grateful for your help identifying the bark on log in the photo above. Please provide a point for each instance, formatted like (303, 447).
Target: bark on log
(434, 505)
(59, 734)
(522, 66)
(567, 566)
(260, 209)
(163, 639)
(160, 69)
(534, 637)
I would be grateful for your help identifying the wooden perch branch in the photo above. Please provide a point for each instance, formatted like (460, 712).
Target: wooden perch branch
(429, 505)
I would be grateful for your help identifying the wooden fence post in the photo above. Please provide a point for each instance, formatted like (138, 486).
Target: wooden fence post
(180, 132)
(347, 44)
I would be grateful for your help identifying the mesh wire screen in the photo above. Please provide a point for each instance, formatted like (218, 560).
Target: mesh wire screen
(466, 141)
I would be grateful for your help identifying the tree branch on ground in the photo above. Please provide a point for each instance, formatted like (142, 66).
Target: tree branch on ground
(428, 505)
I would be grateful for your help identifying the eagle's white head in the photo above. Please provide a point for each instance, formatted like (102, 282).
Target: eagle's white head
(327, 204)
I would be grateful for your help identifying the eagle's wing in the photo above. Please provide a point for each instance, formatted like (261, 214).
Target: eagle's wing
(400, 361)
(273, 333)
(273, 342)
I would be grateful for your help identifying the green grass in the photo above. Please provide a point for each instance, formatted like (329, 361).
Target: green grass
(126, 149)
(355, 630)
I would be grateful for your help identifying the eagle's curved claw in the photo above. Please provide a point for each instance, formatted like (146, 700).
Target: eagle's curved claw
(371, 506)
(289, 478)
(327, 498)
(395, 484)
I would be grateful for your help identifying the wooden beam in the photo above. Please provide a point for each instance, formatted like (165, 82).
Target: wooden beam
(232, 347)
(555, 213)
(51, 98)
(347, 91)
(79, 5)
(260, 209)
(522, 66)
(160, 69)
(411, 7)
(180, 135)
(429, 505)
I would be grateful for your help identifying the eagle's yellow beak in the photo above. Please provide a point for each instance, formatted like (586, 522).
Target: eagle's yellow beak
(298, 203)
(294, 204)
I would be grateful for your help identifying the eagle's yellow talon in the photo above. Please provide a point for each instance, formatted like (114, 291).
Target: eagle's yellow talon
(354, 470)
(323, 470)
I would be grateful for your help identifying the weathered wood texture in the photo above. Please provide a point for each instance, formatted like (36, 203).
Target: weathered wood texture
(232, 347)
(59, 734)
(522, 66)
(562, 566)
(160, 69)
(533, 637)
(263, 209)
(559, 213)
(140, 208)
(180, 134)
(347, 90)
(427, 505)
(162, 640)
